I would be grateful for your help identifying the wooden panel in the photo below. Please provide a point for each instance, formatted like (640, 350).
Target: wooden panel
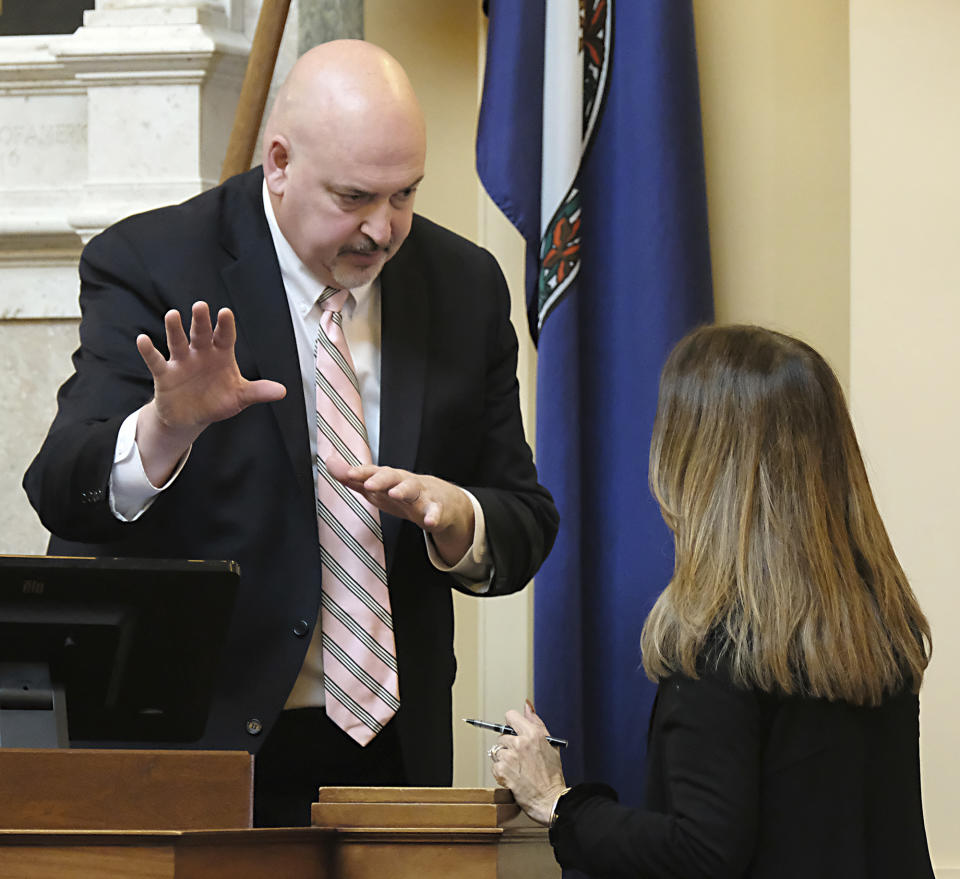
(86, 862)
(251, 855)
(231, 854)
(417, 860)
(412, 807)
(63, 789)
(406, 814)
(525, 852)
(414, 795)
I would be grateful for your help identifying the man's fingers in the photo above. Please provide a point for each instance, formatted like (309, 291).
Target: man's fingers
(338, 468)
(202, 333)
(176, 337)
(263, 391)
(408, 490)
(433, 515)
(201, 330)
(154, 360)
(384, 479)
(421, 499)
(225, 335)
(359, 473)
(417, 495)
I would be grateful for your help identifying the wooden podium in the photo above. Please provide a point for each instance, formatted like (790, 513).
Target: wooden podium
(75, 814)
(427, 832)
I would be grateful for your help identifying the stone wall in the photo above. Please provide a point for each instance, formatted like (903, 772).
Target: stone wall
(130, 111)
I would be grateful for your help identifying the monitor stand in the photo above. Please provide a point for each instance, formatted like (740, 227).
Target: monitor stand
(33, 711)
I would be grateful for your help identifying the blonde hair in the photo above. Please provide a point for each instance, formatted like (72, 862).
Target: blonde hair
(783, 566)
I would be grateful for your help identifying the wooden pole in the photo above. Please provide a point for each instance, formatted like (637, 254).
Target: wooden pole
(256, 86)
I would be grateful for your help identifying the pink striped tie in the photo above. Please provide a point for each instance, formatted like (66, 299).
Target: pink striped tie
(359, 656)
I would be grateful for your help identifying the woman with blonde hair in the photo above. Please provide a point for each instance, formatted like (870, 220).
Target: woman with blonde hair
(788, 646)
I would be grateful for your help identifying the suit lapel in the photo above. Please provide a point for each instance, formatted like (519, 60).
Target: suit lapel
(403, 362)
(264, 329)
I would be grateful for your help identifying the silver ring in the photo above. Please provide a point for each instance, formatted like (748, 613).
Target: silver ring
(492, 753)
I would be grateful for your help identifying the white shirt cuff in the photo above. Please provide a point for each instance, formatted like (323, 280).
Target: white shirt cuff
(131, 492)
(475, 570)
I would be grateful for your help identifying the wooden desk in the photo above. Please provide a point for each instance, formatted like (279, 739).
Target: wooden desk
(186, 815)
(304, 853)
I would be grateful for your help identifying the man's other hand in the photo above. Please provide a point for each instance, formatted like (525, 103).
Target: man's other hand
(440, 508)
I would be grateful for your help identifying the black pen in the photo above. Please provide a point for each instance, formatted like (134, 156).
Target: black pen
(505, 730)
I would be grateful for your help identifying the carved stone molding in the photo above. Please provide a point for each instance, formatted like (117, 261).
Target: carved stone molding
(131, 111)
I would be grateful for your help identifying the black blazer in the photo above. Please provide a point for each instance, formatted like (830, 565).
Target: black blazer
(449, 407)
(742, 784)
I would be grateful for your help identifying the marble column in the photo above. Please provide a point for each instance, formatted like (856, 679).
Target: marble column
(162, 79)
(323, 20)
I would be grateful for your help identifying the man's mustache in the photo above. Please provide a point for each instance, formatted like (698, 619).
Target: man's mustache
(365, 247)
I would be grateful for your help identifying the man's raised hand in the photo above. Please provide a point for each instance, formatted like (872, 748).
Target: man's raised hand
(198, 385)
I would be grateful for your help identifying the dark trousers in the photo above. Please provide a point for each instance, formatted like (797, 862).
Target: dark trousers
(306, 750)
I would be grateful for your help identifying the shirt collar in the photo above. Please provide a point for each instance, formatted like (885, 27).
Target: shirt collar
(302, 285)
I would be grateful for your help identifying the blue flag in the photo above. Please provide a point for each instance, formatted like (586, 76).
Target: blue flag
(590, 142)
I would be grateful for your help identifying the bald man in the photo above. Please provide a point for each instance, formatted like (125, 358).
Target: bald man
(188, 429)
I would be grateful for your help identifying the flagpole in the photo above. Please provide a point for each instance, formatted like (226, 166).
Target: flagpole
(256, 86)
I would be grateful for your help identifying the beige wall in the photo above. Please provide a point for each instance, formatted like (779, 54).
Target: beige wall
(904, 350)
(775, 101)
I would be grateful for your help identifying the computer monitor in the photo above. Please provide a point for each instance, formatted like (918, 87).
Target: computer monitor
(131, 645)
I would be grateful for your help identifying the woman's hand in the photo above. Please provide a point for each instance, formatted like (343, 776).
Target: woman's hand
(529, 765)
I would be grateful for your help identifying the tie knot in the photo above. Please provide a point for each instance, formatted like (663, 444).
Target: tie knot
(332, 299)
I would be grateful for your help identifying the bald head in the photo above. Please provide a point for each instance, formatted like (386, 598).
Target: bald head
(339, 86)
(343, 152)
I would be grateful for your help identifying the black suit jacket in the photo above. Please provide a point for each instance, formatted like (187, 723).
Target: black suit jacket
(743, 784)
(449, 407)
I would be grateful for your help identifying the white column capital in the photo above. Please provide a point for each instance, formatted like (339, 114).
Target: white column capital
(208, 5)
(162, 79)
